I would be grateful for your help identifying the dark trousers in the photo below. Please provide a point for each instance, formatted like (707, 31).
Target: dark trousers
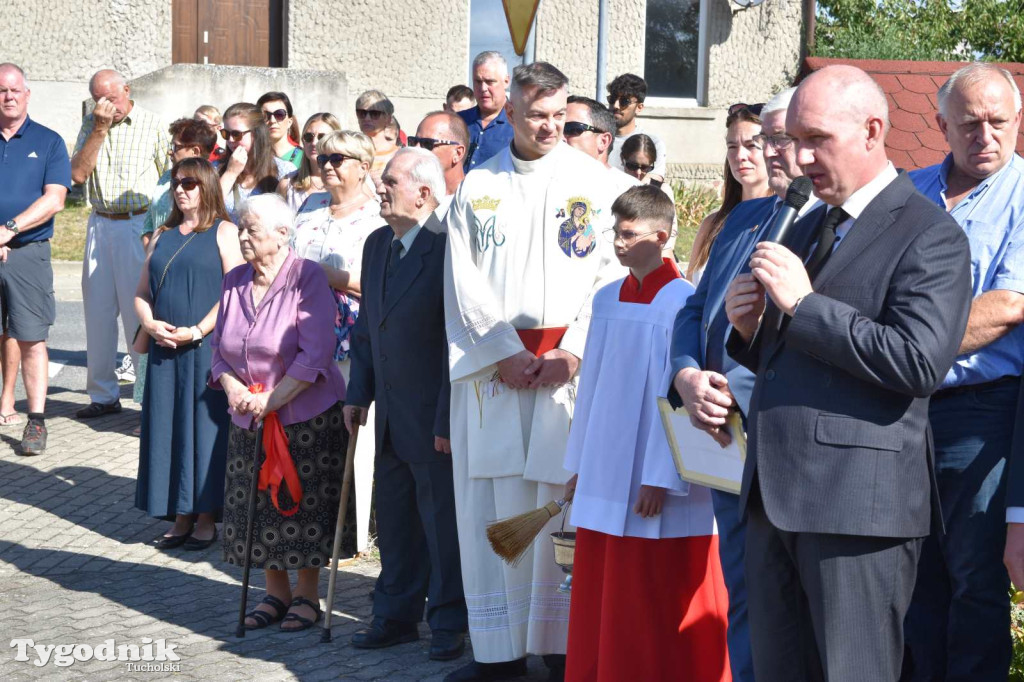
(418, 542)
(825, 606)
(732, 537)
(958, 626)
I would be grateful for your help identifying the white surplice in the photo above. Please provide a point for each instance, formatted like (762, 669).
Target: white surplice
(525, 251)
(617, 442)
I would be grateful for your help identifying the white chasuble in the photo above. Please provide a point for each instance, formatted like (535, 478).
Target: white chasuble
(617, 442)
(526, 250)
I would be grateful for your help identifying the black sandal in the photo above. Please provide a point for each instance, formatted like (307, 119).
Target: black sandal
(304, 623)
(262, 618)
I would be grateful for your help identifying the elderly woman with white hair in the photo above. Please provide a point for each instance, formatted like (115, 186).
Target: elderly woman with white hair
(273, 352)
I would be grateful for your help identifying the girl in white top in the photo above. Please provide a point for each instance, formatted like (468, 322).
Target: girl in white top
(306, 181)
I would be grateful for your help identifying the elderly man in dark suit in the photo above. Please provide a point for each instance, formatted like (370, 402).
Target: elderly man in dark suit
(400, 360)
(847, 346)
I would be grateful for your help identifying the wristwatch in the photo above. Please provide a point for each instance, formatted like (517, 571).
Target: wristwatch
(12, 226)
(197, 335)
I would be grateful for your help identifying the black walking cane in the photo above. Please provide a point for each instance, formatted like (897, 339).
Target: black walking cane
(346, 487)
(250, 522)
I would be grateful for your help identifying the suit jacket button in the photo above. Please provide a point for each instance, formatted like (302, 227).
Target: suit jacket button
(383, 358)
(382, 326)
(769, 375)
(387, 387)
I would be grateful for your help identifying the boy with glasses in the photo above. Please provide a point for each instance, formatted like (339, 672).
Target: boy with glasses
(646, 567)
(626, 95)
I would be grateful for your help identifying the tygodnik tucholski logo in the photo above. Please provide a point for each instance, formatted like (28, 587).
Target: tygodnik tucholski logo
(149, 656)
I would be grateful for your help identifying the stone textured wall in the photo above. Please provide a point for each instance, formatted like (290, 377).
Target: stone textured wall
(754, 52)
(403, 49)
(69, 41)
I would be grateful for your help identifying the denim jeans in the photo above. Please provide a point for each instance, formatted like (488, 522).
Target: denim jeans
(732, 532)
(958, 625)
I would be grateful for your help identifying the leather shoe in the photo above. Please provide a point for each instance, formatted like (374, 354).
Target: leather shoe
(485, 672)
(384, 633)
(98, 410)
(172, 541)
(447, 645)
(195, 544)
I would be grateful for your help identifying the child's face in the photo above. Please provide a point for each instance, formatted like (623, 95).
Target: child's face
(638, 243)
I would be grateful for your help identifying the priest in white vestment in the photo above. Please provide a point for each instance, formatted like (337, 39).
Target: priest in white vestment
(525, 256)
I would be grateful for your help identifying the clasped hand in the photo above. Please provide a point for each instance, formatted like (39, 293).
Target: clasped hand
(243, 401)
(167, 335)
(524, 370)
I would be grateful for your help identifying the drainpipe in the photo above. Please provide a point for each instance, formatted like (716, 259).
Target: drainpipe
(810, 10)
(602, 49)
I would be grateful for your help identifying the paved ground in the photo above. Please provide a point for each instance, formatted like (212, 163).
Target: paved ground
(76, 567)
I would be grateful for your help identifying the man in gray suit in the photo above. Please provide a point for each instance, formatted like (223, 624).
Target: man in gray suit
(400, 360)
(847, 346)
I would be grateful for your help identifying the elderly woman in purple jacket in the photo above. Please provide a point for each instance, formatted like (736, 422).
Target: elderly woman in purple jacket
(273, 352)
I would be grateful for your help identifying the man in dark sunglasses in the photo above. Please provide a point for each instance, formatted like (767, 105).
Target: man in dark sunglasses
(589, 127)
(626, 95)
(445, 134)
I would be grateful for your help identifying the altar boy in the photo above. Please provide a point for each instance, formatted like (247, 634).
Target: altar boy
(648, 600)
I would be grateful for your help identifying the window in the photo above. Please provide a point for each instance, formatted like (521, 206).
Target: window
(488, 30)
(673, 56)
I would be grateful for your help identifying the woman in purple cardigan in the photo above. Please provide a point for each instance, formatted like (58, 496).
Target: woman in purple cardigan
(273, 352)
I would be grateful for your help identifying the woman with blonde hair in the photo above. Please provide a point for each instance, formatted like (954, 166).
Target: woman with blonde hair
(300, 186)
(375, 113)
(251, 168)
(184, 422)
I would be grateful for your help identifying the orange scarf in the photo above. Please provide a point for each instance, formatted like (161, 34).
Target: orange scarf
(278, 465)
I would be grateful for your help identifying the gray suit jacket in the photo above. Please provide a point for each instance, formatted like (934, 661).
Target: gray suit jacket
(838, 436)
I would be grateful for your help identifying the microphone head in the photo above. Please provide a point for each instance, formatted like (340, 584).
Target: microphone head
(799, 192)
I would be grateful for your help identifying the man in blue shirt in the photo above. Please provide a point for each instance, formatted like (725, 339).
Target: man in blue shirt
(35, 174)
(489, 129)
(958, 623)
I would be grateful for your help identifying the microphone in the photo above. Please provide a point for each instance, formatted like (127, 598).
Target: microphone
(797, 195)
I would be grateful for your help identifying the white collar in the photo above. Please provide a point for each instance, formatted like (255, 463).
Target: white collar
(859, 200)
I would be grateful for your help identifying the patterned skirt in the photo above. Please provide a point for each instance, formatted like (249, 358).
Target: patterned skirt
(305, 539)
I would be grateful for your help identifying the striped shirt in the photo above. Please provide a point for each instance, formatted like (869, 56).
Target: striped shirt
(130, 162)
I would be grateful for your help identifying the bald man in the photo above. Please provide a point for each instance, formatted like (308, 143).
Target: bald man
(122, 152)
(848, 335)
(444, 133)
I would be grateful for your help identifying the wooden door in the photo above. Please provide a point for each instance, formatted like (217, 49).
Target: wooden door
(235, 32)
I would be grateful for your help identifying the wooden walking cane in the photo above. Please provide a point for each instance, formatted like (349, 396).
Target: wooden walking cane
(346, 486)
(249, 527)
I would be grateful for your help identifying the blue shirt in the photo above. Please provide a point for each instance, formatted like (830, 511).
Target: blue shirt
(33, 158)
(485, 142)
(992, 215)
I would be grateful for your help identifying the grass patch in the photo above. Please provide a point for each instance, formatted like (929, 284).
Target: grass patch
(68, 241)
(693, 203)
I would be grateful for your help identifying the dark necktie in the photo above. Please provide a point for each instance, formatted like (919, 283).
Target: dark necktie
(394, 257)
(826, 241)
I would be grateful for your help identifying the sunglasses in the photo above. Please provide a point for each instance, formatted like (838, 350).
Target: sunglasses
(577, 128)
(334, 159)
(636, 167)
(187, 183)
(233, 135)
(309, 137)
(755, 109)
(428, 143)
(624, 101)
(175, 148)
(278, 114)
(369, 113)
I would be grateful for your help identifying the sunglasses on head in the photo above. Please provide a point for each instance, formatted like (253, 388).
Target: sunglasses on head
(278, 114)
(369, 113)
(309, 137)
(755, 109)
(636, 167)
(234, 135)
(187, 183)
(577, 128)
(333, 159)
(428, 143)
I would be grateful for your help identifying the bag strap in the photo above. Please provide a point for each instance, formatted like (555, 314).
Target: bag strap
(160, 284)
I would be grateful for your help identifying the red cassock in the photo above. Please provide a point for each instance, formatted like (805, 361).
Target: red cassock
(645, 609)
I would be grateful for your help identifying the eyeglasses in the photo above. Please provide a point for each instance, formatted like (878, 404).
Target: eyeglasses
(428, 143)
(777, 142)
(635, 167)
(334, 159)
(623, 100)
(177, 147)
(369, 113)
(627, 237)
(278, 114)
(233, 135)
(755, 109)
(309, 137)
(577, 128)
(187, 183)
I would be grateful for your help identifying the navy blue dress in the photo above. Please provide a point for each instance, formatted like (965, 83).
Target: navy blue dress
(183, 446)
